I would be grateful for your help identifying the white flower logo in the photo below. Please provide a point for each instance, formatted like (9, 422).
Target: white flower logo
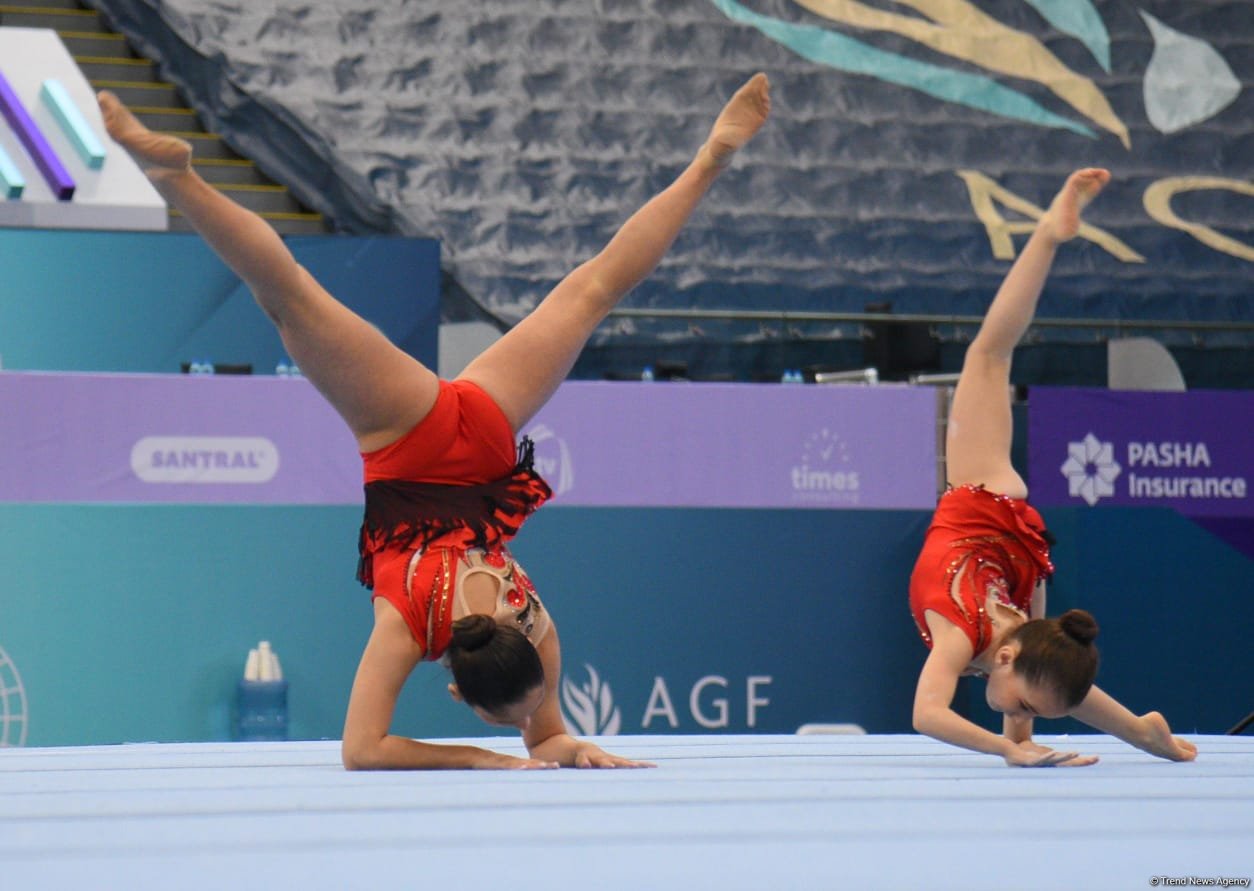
(1090, 469)
(590, 707)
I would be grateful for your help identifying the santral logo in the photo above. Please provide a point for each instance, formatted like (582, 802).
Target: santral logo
(205, 459)
(1090, 469)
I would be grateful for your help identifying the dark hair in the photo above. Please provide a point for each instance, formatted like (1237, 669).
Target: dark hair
(494, 666)
(1059, 654)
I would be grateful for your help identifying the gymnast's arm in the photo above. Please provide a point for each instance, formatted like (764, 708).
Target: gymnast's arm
(1019, 730)
(933, 703)
(1149, 732)
(546, 737)
(390, 655)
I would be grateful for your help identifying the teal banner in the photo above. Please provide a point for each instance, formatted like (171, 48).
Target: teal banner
(152, 301)
(133, 623)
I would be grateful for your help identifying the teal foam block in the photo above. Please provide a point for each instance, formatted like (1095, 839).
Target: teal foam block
(81, 135)
(11, 182)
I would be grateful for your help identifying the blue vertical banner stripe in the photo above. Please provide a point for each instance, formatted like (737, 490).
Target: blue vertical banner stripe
(80, 133)
(50, 166)
(11, 181)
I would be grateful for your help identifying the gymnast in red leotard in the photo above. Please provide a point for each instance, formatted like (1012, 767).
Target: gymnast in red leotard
(441, 503)
(979, 543)
(445, 489)
(977, 592)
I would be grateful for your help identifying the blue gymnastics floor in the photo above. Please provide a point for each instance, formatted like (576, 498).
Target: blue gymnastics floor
(719, 812)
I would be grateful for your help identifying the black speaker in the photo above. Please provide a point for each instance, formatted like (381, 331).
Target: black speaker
(899, 349)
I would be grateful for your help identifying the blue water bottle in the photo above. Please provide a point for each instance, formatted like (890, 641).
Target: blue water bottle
(262, 711)
(261, 698)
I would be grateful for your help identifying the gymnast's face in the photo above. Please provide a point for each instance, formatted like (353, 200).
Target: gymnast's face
(1010, 693)
(517, 714)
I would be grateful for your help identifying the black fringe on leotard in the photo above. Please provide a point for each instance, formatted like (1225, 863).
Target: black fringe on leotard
(405, 514)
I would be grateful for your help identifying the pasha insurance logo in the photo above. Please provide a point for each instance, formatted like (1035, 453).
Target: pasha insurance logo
(553, 461)
(1091, 469)
(205, 459)
(590, 706)
(825, 473)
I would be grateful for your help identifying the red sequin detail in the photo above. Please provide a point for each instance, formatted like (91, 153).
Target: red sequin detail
(495, 559)
(516, 598)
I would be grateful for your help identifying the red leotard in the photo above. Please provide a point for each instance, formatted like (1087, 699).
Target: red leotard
(429, 484)
(997, 542)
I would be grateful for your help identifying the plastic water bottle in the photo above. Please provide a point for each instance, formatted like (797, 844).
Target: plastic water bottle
(261, 698)
(647, 373)
(262, 711)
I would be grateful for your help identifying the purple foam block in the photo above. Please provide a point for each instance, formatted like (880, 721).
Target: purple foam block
(45, 158)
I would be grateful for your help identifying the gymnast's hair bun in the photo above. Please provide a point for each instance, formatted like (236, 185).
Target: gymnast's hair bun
(472, 632)
(1078, 625)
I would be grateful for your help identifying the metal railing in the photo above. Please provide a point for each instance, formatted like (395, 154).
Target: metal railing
(786, 316)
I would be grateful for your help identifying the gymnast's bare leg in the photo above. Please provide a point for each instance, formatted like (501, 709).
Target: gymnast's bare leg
(979, 433)
(379, 390)
(523, 368)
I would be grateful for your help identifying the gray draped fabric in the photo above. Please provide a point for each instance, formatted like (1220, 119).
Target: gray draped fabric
(521, 134)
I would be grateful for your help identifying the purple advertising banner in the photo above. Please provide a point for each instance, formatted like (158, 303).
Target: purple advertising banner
(738, 445)
(273, 440)
(1193, 452)
(172, 439)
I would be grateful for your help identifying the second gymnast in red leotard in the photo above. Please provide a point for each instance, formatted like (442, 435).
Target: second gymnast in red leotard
(977, 592)
(445, 490)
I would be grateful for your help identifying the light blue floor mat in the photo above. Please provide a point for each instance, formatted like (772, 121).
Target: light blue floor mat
(719, 812)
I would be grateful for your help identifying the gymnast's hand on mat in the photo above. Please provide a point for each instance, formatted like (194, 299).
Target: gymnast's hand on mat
(1030, 754)
(588, 755)
(499, 761)
(570, 752)
(1157, 739)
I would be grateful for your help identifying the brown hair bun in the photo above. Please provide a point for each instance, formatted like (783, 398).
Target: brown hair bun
(1078, 625)
(472, 632)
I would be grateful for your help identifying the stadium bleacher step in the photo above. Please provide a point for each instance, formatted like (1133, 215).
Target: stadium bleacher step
(109, 62)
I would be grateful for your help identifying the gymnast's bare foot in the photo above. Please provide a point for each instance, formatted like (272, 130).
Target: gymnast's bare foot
(1062, 221)
(743, 116)
(159, 155)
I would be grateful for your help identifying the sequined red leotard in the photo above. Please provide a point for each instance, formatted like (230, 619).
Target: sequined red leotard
(1000, 546)
(441, 502)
